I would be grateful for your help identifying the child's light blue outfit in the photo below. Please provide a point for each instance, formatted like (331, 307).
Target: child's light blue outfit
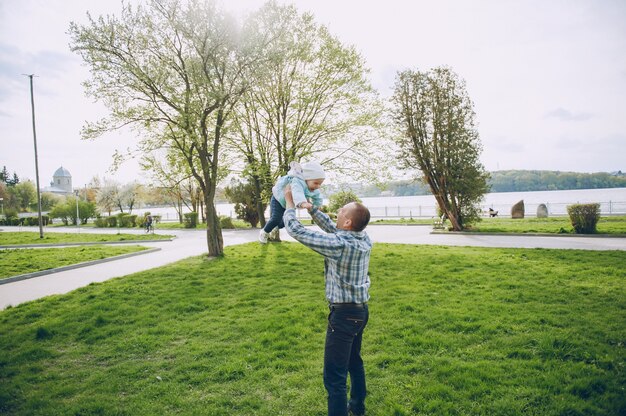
(296, 177)
(300, 191)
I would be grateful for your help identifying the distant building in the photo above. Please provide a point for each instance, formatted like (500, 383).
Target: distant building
(61, 182)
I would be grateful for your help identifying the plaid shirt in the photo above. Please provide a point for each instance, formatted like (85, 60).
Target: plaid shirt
(346, 256)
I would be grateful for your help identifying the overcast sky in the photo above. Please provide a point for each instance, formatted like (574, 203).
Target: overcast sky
(548, 78)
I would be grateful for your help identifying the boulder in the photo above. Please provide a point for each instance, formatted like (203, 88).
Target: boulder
(517, 210)
(542, 211)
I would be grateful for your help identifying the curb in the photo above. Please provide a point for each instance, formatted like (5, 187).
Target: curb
(74, 266)
(403, 225)
(530, 234)
(86, 244)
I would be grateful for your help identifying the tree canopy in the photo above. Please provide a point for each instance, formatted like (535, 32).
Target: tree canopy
(174, 70)
(438, 138)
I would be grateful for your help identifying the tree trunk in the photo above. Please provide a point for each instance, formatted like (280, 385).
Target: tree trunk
(259, 202)
(215, 242)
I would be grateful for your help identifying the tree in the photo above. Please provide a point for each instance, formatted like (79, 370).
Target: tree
(438, 137)
(244, 198)
(25, 195)
(313, 101)
(106, 196)
(49, 200)
(66, 211)
(174, 70)
(341, 198)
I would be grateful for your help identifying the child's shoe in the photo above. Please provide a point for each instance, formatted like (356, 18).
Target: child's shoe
(263, 237)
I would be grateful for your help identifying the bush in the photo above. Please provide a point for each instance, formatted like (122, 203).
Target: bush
(584, 217)
(226, 222)
(101, 222)
(126, 220)
(340, 199)
(111, 221)
(190, 219)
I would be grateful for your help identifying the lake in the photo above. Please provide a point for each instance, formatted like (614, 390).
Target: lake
(612, 201)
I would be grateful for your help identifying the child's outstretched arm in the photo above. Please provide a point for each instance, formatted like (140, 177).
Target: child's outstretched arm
(297, 191)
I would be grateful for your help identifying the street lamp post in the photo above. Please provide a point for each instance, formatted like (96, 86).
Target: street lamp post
(32, 103)
(77, 214)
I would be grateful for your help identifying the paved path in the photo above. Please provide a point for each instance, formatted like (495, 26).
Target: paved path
(191, 243)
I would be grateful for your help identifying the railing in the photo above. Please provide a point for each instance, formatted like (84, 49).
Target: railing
(504, 210)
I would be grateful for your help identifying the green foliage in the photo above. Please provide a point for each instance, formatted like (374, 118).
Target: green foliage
(313, 101)
(191, 219)
(125, 220)
(100, 222)
(584, 217)
(174, 70)
(452, 331)
(341, 198)
(23, 196)
(245, 199)
(34, 221)
(6, 178)
(544, 180)
(226, 222)
(436, 116)
(66, 211)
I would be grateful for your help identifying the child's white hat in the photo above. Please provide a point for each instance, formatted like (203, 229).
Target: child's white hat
(313, 170)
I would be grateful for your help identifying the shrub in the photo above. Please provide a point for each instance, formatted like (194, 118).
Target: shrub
(584, 217)
(111, 221)
(101, 222)
(226, 222)
(126, 220)
(190, 220)
(340, 199)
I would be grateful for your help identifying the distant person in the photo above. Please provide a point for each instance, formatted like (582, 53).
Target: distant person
(305, 180)
(346, 249)
(148, 223)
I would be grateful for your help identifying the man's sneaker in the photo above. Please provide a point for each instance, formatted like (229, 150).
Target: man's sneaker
(263, 237)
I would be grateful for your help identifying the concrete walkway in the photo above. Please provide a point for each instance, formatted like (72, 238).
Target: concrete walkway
(191, 243)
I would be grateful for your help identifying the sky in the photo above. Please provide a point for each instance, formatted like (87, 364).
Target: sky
(547, 78)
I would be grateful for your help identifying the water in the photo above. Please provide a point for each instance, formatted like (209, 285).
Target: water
(612, 201)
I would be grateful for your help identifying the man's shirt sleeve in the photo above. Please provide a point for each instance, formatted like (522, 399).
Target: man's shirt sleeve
(328, 245)
(323, 221)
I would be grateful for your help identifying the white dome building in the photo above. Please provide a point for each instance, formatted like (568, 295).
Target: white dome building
(61, 182)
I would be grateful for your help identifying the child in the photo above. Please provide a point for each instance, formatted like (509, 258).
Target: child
(305, 180)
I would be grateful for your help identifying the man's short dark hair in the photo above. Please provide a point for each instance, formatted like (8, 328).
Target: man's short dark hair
(360, 216)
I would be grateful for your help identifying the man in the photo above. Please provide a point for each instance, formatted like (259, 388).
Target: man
(346, 249)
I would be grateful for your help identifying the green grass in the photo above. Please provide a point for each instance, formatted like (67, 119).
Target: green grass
(174, 225)
(552, 225)
(27, 237)
(403, 221)
(453, 331)
(20, 261)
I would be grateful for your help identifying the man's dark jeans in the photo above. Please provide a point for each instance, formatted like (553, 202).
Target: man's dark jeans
(342, 355)
(276, 216)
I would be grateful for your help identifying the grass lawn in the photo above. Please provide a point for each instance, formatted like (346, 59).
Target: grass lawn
(28, 237)
(553, 225)
(175, 225)
(403, 221)
(453, 331)
(20, 261)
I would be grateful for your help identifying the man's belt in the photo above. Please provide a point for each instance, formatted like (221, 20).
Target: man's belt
(348, 305)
